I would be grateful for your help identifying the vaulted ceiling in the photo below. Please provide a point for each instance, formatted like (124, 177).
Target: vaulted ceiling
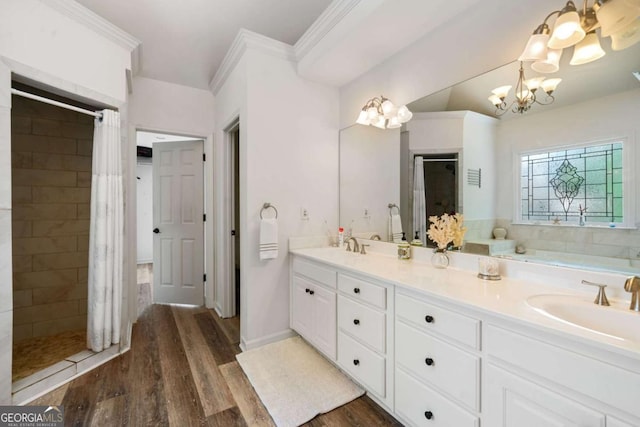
(185, 41)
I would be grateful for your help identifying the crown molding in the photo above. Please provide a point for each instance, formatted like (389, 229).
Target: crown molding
(95, 22)
(244, 40)
(335, 13)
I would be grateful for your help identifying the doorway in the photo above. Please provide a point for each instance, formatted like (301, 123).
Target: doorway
(171, 217)
(440, 185)
(234, 191)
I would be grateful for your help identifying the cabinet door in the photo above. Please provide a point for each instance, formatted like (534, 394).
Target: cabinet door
(324, 320)
(512, 401)
(301, 307)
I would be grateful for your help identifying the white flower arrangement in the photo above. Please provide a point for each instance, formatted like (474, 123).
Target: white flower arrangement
(447, 229)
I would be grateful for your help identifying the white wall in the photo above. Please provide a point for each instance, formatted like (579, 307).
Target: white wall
(479, 203)
(170, 108)
(369, 178)
(37, 36)
(290, 160)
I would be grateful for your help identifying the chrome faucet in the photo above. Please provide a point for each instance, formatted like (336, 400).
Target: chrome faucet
(601, 298)
(632, 284)
(356, 246)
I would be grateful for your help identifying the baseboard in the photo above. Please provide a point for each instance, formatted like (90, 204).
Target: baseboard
(279, 336)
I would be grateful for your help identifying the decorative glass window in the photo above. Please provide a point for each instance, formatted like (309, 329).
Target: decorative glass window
(573, 184)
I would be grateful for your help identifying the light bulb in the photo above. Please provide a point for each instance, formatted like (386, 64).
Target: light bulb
(588, 50)
(495, 100)
(387, 107)
(394, 122)
(404, 115)
(550, 85)
(502, 91)
(363, 118)
(567, 30)
(549, 65)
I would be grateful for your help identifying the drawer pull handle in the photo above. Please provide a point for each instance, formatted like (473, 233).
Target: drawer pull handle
(356, 290)
(356, 362)
(428, 361)
(428, 319)
(428, 415)
(307, 290)
(356, 321)
(311, 292)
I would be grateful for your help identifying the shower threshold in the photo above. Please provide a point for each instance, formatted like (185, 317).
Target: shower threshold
(29, 388)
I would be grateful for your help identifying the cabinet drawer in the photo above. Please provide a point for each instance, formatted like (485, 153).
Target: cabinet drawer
(364, 323)
(416, 402)
(431, 318)
(364, 365)
(314, 271)
(446, 367)
(363, 291)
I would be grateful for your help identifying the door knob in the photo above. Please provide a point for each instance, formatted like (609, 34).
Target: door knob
(156, 230)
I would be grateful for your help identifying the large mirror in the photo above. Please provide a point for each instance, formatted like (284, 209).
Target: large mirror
(594, 102)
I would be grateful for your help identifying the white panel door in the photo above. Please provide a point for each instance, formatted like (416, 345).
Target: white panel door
(178, 223)
(512, 401)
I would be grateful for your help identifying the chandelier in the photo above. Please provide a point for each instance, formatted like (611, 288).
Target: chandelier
(524, 97)
(381, 113)
(618, 19)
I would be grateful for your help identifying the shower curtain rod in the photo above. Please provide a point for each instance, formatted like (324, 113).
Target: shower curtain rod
(56, 103)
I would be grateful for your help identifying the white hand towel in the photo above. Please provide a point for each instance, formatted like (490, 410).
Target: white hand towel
(268, 238)
(395, 225)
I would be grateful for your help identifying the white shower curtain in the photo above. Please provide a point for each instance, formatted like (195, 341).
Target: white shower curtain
(106, 233)
(419, 202)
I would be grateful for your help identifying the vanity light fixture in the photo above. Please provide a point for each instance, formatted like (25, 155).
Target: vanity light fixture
(619, 19)
(383, 114)
(525, 94)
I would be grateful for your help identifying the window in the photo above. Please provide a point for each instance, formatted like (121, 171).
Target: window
(557, 185)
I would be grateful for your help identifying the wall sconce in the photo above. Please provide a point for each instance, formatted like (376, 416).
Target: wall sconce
(619, 19)
(381, 113)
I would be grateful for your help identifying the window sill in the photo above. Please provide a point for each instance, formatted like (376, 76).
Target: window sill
(570, 225)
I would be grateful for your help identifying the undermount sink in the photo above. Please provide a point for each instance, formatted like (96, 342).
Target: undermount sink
(615, 321)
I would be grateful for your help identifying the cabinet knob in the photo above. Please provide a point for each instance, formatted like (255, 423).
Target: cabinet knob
(356, 290)
(428, 361)
(311, 292)
(356, 362)
(356, 321)
(428, 319)
(428, 415)
(307, 290)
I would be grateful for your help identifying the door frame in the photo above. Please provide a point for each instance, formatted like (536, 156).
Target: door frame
(208, 224)
(227, 297)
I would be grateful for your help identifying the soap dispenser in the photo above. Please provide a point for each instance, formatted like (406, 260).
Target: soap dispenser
(404, 248)
(416, 240)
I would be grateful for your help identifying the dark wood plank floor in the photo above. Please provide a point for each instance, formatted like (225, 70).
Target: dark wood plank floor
(181, 371)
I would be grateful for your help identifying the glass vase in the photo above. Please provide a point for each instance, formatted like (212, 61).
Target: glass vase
(440, 259)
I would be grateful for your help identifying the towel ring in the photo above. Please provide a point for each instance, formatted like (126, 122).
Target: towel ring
(391, 206)
(267, 206)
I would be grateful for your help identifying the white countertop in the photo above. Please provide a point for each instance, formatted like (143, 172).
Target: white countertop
(504, 298)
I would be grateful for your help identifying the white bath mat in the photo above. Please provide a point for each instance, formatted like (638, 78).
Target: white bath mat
(294, 382)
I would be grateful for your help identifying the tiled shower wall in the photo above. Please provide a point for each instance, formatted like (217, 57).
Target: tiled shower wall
(51, 178)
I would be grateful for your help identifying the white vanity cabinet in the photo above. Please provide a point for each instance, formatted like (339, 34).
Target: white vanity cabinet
(437, 364)
(534, 379)
(434, 360)
(365, 334)
(313, 304)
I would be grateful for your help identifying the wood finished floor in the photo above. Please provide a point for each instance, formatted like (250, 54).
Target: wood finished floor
(181, 371)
